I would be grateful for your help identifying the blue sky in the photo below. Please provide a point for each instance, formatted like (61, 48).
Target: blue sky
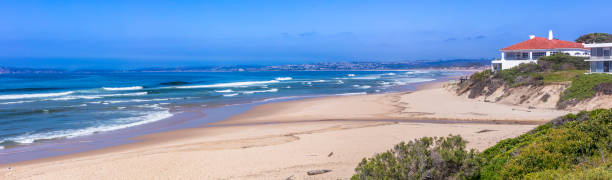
(125, 34)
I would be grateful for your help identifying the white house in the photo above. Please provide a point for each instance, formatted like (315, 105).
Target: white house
(600, 57)
(530, 50)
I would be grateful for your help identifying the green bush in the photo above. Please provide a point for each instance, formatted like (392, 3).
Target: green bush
(479, 76)
(563, 62)
(523, 74)
(561, 76)
(574, 143)
(595, 38)
(425, 158)
(575, 146)
(583, 86)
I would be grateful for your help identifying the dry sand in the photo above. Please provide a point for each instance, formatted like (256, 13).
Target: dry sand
(287, 139)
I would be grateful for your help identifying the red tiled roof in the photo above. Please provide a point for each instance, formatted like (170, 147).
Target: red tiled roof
(544, 43)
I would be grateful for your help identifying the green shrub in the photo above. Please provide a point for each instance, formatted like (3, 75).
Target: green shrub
(561, 76)
(575, 146)
(425, 158)
(479, 76)
(573, 143)
(583, 86)
(563, 62)
(523, 74)
(595, 38)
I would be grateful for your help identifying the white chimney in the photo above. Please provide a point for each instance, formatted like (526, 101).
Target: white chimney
(531, 36)
(550, 35)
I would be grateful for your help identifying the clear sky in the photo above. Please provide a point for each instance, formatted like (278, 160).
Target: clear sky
(98, 34)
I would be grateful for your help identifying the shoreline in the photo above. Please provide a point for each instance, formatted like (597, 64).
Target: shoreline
(197, 116)
(269, 127)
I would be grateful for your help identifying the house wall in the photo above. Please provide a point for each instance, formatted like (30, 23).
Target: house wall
(507, 64)
(511, 59)
(601, 56)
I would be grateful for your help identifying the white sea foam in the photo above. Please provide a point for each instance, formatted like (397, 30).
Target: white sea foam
(122, 88)
(225, 91)
(136, 100)
(230, 95)
(133, 121)
(283, 78)
(17, 102)
(233, 84)
(350, 94)
(389, 74)
(350, 75)
(150, 106)
(370, 77)
(340, 82)
(27, 96)
(97, 96)
(362, 87)
(80, 105)
(418, 72)
(411, 80)
(262, 91)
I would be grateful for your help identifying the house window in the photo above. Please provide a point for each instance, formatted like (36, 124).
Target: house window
(537, 55)
(597, 52)
(600, 66)
(606, 52)
(525, 56)
(593, 66)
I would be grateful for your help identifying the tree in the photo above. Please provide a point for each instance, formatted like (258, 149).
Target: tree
(595, 38)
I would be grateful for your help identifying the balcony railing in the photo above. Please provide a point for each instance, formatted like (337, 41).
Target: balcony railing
(600, 57)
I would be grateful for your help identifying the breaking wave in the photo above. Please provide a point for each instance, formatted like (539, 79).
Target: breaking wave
(71, 133)
(233, 84)
(28, 96)
(122, 88)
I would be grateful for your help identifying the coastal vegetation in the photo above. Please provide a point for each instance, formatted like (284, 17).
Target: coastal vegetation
(424, 158)
(559, 69)
(595, 38)
(586, 86)
(575, 146)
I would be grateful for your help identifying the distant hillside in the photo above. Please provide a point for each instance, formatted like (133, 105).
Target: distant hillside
(325, 66)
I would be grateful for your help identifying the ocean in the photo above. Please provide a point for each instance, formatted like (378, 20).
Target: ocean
(41, 107)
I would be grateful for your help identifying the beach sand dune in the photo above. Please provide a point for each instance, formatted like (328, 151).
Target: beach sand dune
(288, 139)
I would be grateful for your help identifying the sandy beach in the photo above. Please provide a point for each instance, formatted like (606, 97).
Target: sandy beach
(287, 139)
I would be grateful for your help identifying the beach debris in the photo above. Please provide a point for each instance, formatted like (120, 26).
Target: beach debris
(290, 177)
(318, 171)
(485, 130)
(330, 154)
(520, 110)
